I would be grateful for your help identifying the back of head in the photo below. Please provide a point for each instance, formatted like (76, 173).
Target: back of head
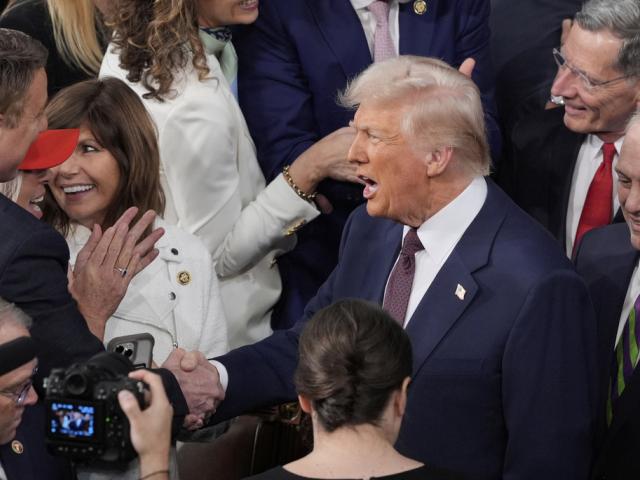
(20, 57)
(353, 356)
(155, 39)
(120, 123)
(622, 19)
(444, 106)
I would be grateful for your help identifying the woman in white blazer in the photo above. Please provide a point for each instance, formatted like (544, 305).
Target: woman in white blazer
(115, 166)
(177, 57)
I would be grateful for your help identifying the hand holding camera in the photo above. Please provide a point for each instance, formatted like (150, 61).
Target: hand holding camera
(151, 427)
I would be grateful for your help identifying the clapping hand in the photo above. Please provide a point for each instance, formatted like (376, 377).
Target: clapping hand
(107, 263)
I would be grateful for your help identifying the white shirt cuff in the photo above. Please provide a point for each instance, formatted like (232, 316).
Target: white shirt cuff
(222, 372)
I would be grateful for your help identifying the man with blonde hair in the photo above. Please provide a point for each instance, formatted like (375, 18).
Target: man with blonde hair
(501, 325)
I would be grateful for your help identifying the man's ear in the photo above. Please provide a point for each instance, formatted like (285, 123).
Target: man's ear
(438, 160)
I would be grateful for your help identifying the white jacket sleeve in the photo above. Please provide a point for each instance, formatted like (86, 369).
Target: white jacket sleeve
(213, 338)
(218, 194)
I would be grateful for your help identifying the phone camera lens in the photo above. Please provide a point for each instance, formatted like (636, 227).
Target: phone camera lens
(128, 352)
(119, 349)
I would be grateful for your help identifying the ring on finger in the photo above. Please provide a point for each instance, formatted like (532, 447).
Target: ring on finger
(121, 271)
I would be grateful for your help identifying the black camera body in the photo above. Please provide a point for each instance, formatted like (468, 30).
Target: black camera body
(84, 419)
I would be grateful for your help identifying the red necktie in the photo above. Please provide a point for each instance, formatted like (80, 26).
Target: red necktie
(598, 206)
(396, 298)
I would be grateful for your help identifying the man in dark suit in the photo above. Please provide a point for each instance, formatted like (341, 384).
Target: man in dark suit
(562, 161)
(21, 421)
(34, 258)
(292, 63)
(502, 327)
(608, 260)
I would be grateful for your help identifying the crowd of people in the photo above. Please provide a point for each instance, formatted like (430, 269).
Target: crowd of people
(320, 202)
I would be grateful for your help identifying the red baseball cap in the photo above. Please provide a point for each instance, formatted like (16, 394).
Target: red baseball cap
(51, 148)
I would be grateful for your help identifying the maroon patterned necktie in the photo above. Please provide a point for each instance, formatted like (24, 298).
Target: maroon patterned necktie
(396, 298)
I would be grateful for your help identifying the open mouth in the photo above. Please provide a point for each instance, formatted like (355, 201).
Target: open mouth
(76, 189)
(370, 187)
(249, 4)
(35, 206)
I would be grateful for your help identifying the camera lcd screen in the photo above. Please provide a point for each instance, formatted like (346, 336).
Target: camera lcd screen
(72, 420)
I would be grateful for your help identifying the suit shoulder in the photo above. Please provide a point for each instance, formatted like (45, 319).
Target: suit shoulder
(603, 243)
(18, 226)
(528, 244)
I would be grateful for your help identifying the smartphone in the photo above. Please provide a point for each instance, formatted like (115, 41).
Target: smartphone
(138, 348)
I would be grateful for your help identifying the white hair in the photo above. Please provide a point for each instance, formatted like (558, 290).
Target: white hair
(444, 105)
(11, 189)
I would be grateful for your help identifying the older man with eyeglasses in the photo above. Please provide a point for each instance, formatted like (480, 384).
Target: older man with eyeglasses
(18, 365)
(562, 164)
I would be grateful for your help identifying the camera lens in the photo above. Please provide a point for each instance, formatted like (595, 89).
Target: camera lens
(76, 384)
(119, 349)
(128, 352)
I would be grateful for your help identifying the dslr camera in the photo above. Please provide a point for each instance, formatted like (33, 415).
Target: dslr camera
(84, 419)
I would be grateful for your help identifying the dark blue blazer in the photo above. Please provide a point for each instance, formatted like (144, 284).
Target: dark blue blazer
(503, 378)
(539, 170)
(292, 63)
(606, 260)
(34, 463)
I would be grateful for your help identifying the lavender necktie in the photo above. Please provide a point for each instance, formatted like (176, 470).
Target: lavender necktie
(382, 44)
(396, 298)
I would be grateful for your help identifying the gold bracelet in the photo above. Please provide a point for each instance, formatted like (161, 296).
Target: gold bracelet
(152, 474)
(309, 197)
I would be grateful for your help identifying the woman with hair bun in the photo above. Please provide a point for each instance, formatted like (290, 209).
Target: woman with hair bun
(352, 378)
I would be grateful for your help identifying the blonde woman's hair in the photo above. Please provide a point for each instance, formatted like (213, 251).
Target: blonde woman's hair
(11, 189)
(76, 34)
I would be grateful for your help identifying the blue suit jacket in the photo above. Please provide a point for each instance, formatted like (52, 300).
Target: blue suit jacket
(292, 63)
(503, 379)
(606, 260)
(34, 463)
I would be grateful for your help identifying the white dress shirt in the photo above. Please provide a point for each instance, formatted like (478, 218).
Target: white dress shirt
(368, 21)
(439, 236)
(3, 476)
(632, 293)
(587, 163)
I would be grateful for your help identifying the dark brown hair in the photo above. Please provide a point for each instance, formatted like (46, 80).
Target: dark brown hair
(155, 39)
(120, 123)
(20, 57)
(353, 356)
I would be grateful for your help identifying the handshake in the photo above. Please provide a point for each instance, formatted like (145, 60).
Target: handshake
(200, 385)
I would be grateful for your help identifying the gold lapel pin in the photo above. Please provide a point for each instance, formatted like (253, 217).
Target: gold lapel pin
(460, 292)
(420, 7)
(184, 278)
(17, 447)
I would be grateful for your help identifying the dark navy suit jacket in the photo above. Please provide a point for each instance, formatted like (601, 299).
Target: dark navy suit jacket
(539, 171)
(503, 382)
(606, 260)
(34, 463)
(292, 63)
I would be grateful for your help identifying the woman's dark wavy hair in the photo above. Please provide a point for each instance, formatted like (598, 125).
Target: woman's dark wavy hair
(155, 39)
(120, 123)
(353, 356)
